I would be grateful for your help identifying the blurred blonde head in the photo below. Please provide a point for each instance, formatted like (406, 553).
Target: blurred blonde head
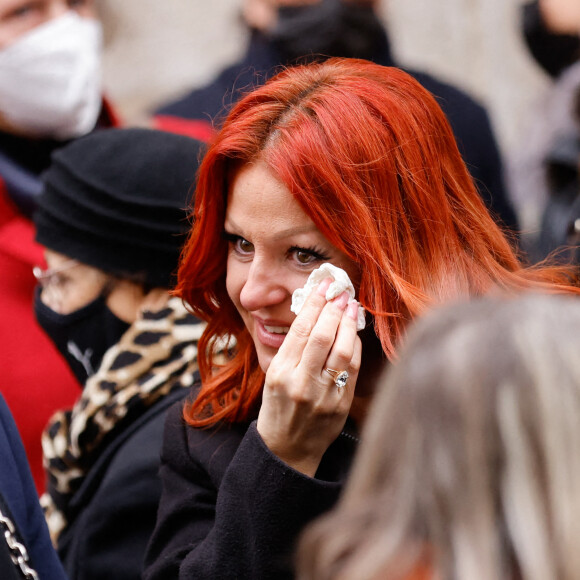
(470, 461)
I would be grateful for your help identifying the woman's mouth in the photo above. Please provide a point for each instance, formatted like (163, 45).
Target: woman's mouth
(271, 334)
(277, 329)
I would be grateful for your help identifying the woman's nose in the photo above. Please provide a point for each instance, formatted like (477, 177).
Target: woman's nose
(265, 286)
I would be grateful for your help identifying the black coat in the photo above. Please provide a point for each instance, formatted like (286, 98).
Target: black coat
(469, 120)
(19, 503)
(230, 509)
(113, 512)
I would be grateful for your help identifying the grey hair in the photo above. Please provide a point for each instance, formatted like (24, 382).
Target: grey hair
(470, 459)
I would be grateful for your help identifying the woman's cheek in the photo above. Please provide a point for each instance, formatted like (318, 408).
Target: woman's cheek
(233, 287)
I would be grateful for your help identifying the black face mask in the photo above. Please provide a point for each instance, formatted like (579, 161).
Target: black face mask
(83, 336)
(329, 28)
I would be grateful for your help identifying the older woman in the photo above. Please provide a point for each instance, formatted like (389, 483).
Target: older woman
(112, 219)
(344, 162)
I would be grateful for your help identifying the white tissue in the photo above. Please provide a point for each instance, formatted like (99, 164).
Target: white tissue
(341, 284)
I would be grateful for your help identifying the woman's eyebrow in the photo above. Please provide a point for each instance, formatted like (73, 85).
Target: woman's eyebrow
(230, 224)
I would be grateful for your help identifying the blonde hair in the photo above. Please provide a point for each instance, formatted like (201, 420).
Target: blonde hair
(470, 459)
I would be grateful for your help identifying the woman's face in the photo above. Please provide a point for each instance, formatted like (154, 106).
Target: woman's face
(273, 247)
(69, 285)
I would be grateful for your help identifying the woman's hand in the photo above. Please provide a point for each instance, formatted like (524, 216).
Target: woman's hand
(303, 411)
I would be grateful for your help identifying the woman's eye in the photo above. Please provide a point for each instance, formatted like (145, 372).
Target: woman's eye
(245, 246)
(241, 245)
(23, 10)
(307, 256)
(80, 4)
(304, 257)
(58, 280)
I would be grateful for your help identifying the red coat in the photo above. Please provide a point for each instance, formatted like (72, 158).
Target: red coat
(201, 130)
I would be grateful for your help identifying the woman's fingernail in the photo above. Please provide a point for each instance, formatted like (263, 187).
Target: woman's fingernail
(341, 300)
(352, 310)
(323, 286)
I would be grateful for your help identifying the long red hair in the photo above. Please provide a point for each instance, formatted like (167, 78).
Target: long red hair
(371, 158)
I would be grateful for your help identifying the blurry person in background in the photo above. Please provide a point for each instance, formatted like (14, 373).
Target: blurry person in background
(112, 218)
(468, 466)
(50, 93)
(560, 220)
(283, 32)
(543, 168)
(551, 30)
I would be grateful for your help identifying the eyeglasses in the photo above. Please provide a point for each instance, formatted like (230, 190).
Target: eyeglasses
(47, 277)
(51, 282)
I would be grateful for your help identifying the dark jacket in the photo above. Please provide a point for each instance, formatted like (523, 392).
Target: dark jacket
(230, 509)
(468, 119)
(113, 513)
(19, 502)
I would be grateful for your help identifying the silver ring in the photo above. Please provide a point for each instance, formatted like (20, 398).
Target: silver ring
(340, 377)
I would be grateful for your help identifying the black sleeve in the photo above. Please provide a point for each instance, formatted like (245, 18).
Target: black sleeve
(109, 537)
(20, 503)
(243, 527)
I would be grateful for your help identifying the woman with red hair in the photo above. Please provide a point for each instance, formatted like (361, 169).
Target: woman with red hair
(344, 162)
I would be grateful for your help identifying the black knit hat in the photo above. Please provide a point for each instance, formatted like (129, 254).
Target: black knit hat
(117, 200)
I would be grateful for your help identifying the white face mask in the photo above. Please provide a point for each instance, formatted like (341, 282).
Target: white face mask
(50, 78)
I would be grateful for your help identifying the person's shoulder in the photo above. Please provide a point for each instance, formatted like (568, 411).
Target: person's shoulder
(206, 102)
(213, 436)
(133, 455)
(147, 431)
(175, 424)
(210, 448)
(212, 101)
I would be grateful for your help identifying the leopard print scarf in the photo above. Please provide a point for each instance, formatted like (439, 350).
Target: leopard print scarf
(156, 355)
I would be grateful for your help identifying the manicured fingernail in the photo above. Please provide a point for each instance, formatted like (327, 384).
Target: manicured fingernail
(341, 300)
(352, 310)
(323, 286)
